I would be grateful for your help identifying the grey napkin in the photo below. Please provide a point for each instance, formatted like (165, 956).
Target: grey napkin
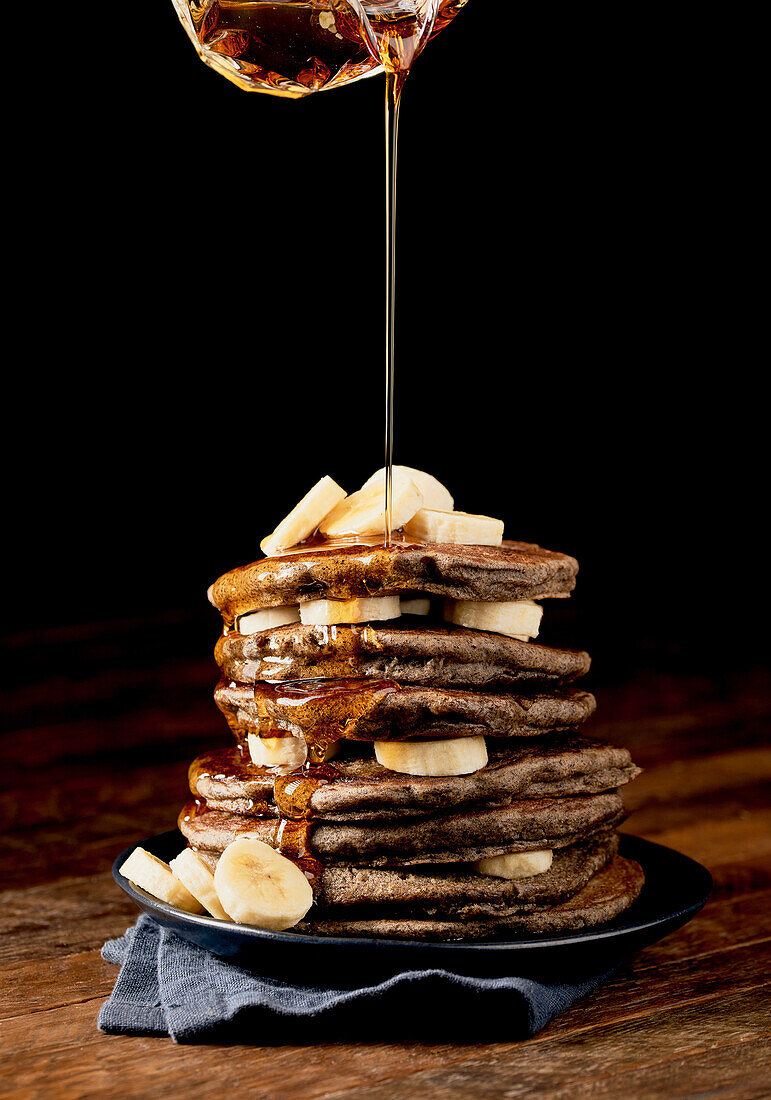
(167, 986)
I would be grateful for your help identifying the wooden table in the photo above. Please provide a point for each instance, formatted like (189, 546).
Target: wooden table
(102, 723)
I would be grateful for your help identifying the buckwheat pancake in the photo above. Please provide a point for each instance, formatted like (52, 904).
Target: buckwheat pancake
(365, 567)
(361, 789)
(410, 650)
(455, 889)
(606, 896)
(367, 710)
(473, 833)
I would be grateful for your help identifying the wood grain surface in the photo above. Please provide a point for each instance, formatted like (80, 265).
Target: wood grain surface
(100, 723)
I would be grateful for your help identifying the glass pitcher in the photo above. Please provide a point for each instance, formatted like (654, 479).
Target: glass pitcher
(303, 46)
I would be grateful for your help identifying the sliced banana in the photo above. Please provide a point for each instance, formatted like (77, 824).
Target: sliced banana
(197, 878)
(434, 493)
(519, 619)
(457, 756)
(271, 752)
(430, 525)
(259, 886)
(418, 606)
(267, 619)
(364, 610)
(305, 517)
(363, 513)
(155, 877)
(515, 864)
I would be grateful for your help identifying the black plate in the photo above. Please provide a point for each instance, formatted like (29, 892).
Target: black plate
(675, 889)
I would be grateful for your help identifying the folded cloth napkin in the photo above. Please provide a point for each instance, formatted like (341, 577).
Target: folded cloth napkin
(167, 986)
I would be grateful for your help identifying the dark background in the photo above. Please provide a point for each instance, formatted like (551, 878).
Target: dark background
(195, 317)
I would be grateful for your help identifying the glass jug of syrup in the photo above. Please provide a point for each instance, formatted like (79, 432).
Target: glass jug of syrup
(298, 47)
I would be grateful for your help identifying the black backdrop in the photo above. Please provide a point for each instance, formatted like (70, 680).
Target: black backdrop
(196, 313)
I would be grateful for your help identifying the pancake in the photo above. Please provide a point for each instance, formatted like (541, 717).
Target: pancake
(370, 710)
(605, 896)
(361, 789)
(410, 650)
(474, 831)
(455, 889)
(361, 567)
(453, 837)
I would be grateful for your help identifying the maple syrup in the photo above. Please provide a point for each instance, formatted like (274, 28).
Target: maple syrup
(293, 793)
(220, 765)
(323, 711)
(293, 841)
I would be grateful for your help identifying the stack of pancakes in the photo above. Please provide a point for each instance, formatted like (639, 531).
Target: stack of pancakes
(399, 854)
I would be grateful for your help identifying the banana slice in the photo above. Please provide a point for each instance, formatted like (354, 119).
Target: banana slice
(259, 886)
(266, 619)
(305, 517)
(363, 513)
(517, 618)
(154, 877)
(270, 752)
(417, 606)
(457, 756)
(364, 610)
(434, 493)
(515, 864)
(197, 878)
(429, 525)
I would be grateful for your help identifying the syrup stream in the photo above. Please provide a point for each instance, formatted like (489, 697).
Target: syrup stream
(393, 98)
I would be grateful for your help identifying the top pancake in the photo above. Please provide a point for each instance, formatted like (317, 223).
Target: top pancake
(345, 569)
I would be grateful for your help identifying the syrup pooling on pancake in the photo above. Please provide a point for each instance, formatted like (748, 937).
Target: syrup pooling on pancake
(320, 709)
(293, 793)
(220, 765)
(367, 556)
(382, 710)
(511, 571)
(293, 840)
